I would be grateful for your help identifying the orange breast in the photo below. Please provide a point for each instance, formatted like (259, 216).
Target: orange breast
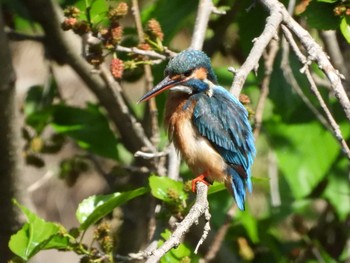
(195, 149)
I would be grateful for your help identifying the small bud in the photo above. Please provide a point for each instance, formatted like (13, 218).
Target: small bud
(119, 11)
(117, 68)
(71, 11)
(339, 10)
(244, 99)
(68, 23)
(155, 29)
(173, 194)
(347, 12)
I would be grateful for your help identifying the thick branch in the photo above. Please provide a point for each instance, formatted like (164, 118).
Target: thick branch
(198, 209)
(8, 145)
(204, 10)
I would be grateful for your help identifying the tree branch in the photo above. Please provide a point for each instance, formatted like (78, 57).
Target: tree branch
(205, 8)
(9, 146)
(269, 61)
(314, 52)
(278, 15)
(103, 86)
(200, 207)
(334, 126)
(260, 44)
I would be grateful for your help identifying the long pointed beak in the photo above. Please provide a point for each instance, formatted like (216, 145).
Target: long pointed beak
(165, 84)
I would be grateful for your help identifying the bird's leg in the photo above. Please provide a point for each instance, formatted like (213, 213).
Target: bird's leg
(200, 178)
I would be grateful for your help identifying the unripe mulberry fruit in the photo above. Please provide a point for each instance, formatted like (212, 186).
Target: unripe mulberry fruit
(117, 68)
(154, 28)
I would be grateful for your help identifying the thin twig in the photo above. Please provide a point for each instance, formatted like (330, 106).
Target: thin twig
(334, 126)
(155, 134)
(269, 61)
(173, 163)
(315, 53)
(199, 208)
(330, 39)
(220, 235)
(147, 53)
(146, 155)
(289, 76)
(273, 175)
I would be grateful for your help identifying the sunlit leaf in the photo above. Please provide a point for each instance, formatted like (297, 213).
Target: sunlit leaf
(96, 207)
(345, 28)
(166, 189)
(35, 235)
(303, 160)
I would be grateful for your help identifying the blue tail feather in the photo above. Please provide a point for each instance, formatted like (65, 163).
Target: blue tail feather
(238, 187)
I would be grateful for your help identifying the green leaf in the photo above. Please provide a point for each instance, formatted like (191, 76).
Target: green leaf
(321, 16)
(328, 1)
(338, 189)
(35, 236)
(166, 189)
(303, 160)
(96, 207)
(216, 187)
(89, 127)
(250, 224)
(37, 106)
(345, 28)
(175, 254)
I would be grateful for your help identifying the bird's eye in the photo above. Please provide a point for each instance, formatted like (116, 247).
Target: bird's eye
(188, 73)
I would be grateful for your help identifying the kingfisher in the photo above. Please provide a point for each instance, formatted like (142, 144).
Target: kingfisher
(207, 124)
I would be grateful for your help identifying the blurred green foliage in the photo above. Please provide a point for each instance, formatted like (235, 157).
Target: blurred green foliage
(311, 223)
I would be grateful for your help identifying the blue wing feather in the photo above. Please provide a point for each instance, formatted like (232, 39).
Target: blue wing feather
(223, 120)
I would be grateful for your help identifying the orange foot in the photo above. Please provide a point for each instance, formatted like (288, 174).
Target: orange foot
(200, 178)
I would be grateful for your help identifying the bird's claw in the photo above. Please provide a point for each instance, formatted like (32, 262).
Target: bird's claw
(200, 178)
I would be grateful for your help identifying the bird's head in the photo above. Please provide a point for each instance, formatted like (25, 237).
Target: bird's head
(189, 71)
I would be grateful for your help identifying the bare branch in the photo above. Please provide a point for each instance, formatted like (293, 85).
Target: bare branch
(270, 58)
(332, 47)
(316, 53)
(288, 74)
(155, 134)
(150, 155)
(334, 126)
(279, 14)
(205, 8)
(199, 208)
(260, 44)
(220, 235)
(148, 53)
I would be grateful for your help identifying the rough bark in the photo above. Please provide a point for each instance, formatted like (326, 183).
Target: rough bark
(8, 145)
